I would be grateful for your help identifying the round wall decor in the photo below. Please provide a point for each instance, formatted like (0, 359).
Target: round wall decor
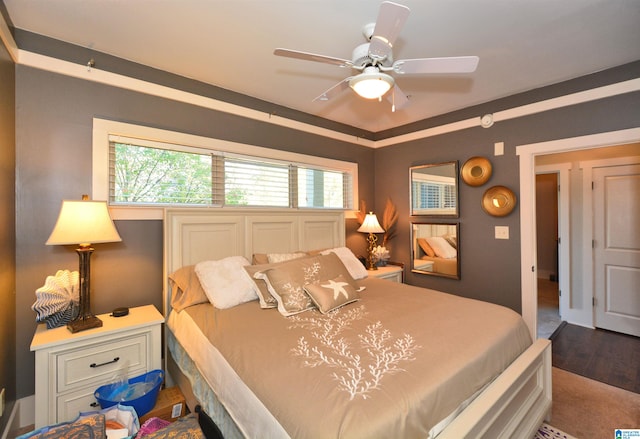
(476, 171)
(498, 201)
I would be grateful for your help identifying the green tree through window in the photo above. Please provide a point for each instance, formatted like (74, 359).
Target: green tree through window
(151, 175)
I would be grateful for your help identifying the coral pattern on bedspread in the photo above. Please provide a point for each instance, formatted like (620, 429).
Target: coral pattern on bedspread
(332, 344)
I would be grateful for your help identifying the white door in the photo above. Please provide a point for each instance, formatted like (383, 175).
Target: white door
(616, 222)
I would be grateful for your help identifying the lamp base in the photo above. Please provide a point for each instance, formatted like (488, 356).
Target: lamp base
(84, 323)
(371, 258)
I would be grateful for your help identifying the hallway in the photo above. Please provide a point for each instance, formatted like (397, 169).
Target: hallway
(548, 308)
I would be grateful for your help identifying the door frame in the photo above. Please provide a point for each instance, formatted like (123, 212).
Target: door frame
(528, 254)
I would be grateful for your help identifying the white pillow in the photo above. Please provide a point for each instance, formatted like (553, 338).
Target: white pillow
(282, 257)
(353, 265)
(225, 282)
(442, 248)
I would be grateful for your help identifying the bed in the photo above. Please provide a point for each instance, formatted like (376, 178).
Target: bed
(380, 366)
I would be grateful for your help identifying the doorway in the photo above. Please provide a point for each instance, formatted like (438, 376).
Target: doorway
(548, 316)
(528, 246)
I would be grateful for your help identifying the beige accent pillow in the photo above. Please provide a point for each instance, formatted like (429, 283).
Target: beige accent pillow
(286, 285)
(266, 299)
(185, 288)
(286, 280)
(353, 264)
(331, 294)
(426, 248)
(259, 259)
(442, 248)
(334, 267)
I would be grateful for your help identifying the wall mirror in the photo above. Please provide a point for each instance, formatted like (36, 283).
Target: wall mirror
(434, 189)
(435, 249)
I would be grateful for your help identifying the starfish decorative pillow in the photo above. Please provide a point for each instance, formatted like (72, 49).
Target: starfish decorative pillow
(331, 294)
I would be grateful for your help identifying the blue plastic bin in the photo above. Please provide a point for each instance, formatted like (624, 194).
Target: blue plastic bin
(142, 404)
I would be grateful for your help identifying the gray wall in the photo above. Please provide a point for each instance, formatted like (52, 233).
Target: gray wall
(490, 268)
(7, 232)
(54, 142)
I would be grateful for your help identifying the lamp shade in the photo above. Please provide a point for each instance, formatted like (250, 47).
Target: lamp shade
(371, 84)
(371, 224)
(83, 222)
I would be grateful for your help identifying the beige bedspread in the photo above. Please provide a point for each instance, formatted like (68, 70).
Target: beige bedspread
(393, 364)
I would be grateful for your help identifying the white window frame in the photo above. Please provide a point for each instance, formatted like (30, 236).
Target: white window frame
(104, 129)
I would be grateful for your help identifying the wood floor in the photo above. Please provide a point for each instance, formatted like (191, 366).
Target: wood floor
(601, 355)
(548, 304)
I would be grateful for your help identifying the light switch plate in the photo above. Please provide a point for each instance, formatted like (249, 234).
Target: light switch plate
(502, 232)
(498, 148)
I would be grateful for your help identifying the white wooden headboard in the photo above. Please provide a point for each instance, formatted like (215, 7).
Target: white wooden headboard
(194, 235)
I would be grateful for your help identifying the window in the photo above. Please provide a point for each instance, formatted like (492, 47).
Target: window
(143, 175)
(192, 171)
(252, 182)
(323, 188)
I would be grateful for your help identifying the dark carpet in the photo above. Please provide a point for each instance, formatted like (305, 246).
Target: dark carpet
(600, 355)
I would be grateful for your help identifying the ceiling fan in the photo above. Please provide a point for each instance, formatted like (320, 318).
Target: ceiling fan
(374, 59)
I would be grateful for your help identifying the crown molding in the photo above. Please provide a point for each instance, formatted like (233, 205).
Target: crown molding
(90, 73)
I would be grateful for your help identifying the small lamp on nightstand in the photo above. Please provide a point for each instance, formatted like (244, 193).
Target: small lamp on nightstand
(83, 223)
(371, 225)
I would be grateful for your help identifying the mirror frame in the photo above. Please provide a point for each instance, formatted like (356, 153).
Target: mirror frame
(445, 264)
(447, 170)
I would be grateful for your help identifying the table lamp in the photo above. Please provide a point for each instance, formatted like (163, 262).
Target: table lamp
(371, 225)
(84, 223)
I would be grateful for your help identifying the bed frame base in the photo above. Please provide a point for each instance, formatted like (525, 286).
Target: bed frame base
(514, 405)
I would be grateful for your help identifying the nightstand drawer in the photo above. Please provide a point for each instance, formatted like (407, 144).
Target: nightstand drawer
(70, 404)
(99, 363)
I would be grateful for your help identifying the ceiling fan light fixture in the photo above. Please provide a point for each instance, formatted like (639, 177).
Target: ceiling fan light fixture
(371, 84)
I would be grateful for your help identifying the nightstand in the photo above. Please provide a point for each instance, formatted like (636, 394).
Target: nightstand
(70, 367)
(394, 273)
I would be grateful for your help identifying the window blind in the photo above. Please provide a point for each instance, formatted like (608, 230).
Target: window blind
(155, 173)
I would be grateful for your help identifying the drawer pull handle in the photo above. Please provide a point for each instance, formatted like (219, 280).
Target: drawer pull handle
(115, 360)
(95, 404)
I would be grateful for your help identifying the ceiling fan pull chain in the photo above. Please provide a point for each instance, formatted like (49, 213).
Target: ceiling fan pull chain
(393, 100)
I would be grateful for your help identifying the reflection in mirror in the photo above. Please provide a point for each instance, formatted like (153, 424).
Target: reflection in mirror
(434, 189)
(435, 249)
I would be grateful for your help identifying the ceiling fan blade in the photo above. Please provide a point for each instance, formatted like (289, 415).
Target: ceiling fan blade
(455, 64)
(397, 98)
(312, 57)
(334, 91)
(391, 19)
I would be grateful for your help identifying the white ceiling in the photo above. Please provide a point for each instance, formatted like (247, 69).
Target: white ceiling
(522, 45)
